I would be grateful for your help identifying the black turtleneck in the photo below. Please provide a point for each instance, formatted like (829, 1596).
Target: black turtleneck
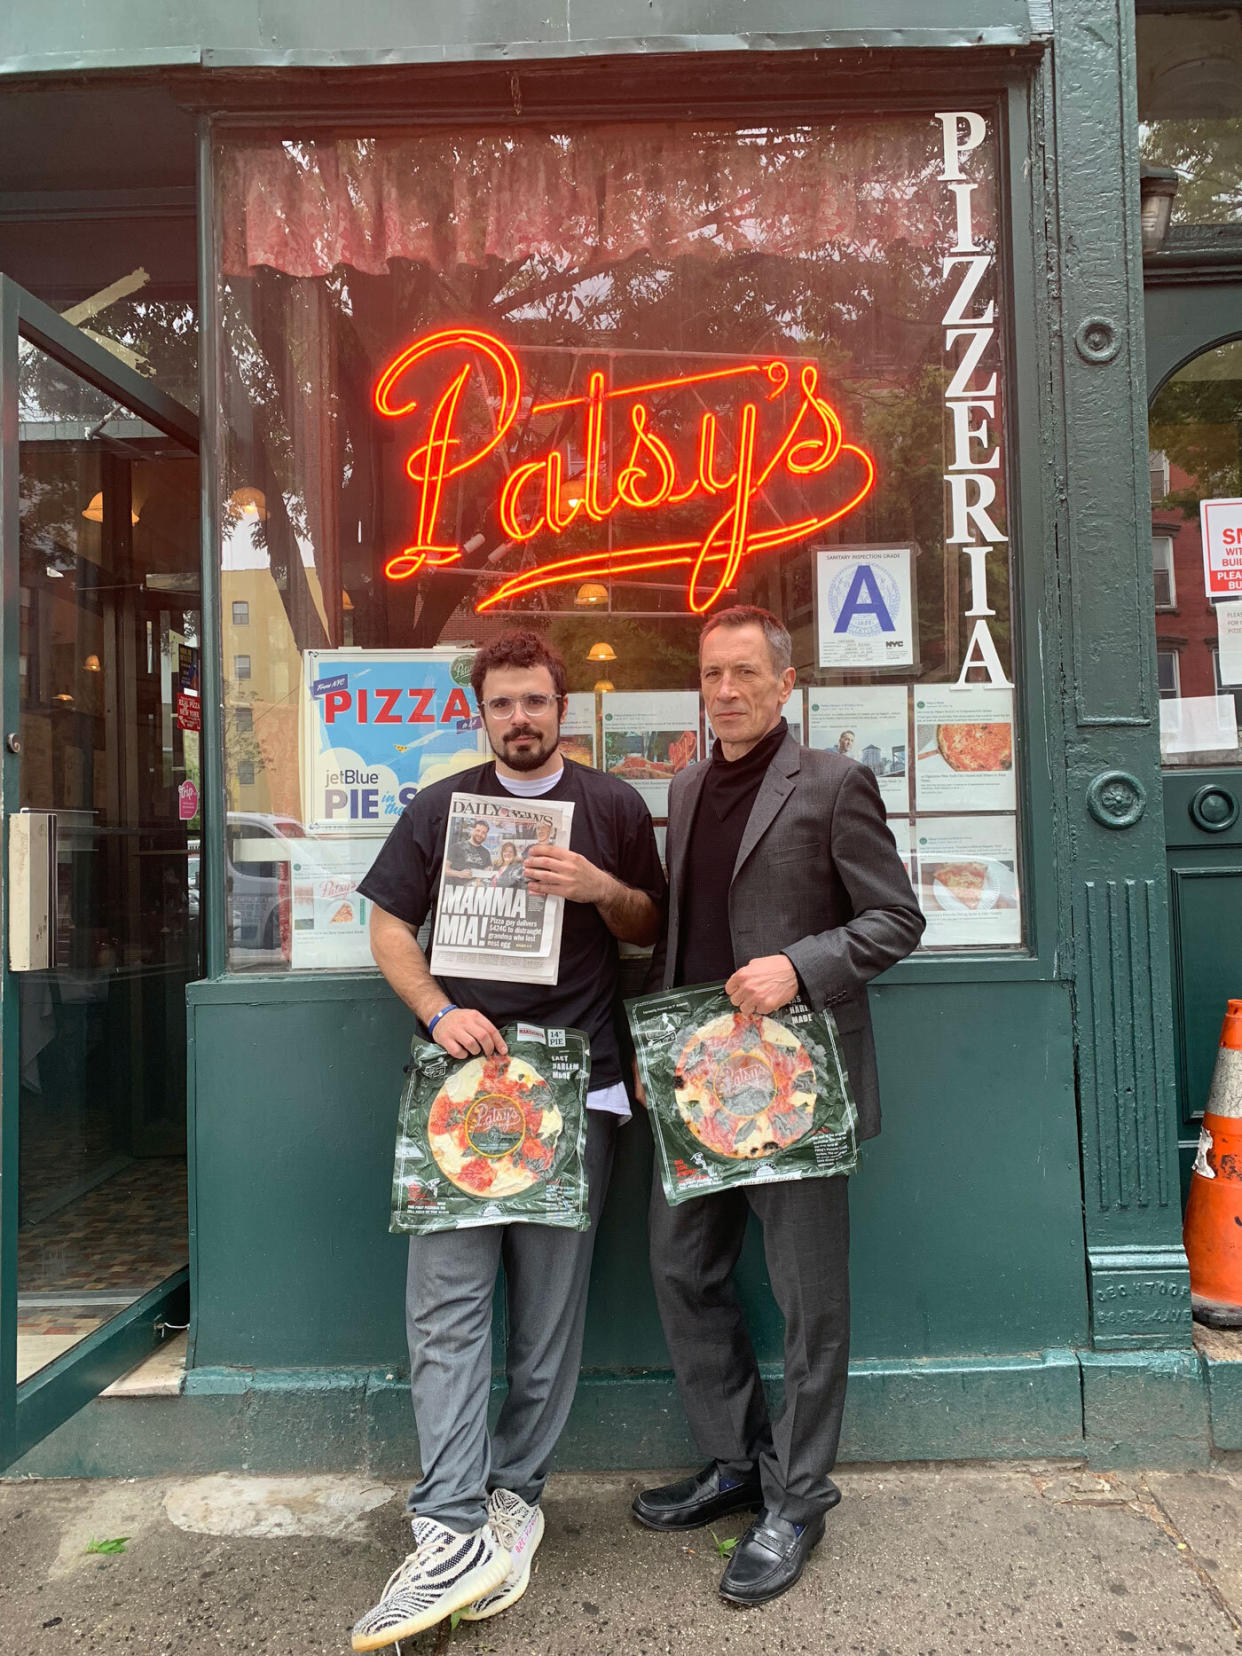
(705, 948)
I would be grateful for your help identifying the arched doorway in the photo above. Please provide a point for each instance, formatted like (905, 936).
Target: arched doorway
(1195, 459)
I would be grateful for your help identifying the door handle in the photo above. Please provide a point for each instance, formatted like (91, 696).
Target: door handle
(1214, 809)
(32, 891)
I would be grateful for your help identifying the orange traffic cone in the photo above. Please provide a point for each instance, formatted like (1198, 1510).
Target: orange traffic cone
(1213, 1230)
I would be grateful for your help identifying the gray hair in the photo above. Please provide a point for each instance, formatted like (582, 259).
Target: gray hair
(780, 645)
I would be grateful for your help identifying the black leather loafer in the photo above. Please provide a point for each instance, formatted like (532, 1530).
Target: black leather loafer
(768, 1559)
(692, 1502)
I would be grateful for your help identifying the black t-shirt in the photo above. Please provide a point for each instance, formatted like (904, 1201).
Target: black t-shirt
(611, 828)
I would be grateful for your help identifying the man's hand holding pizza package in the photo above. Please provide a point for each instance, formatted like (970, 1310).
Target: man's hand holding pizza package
(476, 1515)
(763, 985)
(785, 882)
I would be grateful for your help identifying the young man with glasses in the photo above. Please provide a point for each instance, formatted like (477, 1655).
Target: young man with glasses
(475, 1511)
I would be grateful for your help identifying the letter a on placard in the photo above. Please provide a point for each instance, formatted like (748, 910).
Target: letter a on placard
(864, 598)
(987, 658)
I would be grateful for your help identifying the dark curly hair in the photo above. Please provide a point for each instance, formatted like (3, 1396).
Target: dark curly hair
(518, 649)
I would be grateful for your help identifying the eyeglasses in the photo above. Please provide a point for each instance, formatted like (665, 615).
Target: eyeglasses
(504, 707)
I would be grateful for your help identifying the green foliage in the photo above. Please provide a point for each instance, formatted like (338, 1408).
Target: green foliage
(1196, 420)
(1207, 152)
(115, 1545)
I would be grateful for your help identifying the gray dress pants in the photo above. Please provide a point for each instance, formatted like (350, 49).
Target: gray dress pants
(694, 1248)
(448, 1315)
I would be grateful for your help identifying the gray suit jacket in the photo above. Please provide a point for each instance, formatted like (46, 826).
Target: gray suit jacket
(817, 878)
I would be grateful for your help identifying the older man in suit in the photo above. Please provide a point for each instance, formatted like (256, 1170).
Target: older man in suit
(784, 877)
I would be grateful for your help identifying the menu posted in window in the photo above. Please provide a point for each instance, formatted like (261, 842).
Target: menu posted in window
(867, 723)
(578, 728)
(648, 738)
(900, 828)
(963, 748)
(330, 917)
(967, 881)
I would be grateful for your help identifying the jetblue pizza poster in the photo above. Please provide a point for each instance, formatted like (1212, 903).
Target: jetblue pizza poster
(378, 726)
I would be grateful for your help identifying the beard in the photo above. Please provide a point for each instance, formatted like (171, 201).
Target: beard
(531, 758)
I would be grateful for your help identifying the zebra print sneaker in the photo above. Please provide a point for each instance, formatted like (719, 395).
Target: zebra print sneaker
(445, 1572)
(519, 1530)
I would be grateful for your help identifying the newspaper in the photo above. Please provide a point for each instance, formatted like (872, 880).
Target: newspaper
(487, 924)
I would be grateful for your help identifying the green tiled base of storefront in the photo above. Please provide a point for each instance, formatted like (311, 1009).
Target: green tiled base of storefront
(1151, 1408)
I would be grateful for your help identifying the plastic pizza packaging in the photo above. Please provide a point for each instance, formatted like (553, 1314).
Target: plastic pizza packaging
(736, 1099)
(494, 1141)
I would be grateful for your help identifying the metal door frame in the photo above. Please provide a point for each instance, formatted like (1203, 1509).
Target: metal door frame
(29, 1411)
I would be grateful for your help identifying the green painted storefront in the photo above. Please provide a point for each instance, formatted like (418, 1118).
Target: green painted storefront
(1019, 1286)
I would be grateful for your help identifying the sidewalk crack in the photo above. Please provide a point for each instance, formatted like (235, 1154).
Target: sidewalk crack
(1159, 1514)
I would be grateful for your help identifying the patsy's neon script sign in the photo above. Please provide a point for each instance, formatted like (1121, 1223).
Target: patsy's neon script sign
(730, 465)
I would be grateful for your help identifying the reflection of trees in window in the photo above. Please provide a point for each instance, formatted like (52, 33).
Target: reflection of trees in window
(1208, 155)
(303, 354)
(1196, 419)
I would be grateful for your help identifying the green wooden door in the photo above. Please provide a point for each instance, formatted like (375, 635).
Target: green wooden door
(1195, 441)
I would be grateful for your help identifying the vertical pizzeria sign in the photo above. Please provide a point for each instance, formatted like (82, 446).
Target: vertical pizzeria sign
(975, 459)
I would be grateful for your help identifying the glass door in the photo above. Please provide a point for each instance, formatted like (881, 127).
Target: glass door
(1195, 458)
(101, 616)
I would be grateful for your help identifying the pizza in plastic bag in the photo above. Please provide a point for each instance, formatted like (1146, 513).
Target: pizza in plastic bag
(494, 1126)
(745, 1086)
(494, 1141)
(741, 1100)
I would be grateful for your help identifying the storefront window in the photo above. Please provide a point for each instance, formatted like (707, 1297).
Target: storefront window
(600, 381)
(1197, 525)
(1190, 113)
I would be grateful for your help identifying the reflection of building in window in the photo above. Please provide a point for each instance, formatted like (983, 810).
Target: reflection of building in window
(241, 613)
(1162, 571)
(1168, 673)
(241, 667)
(245, 772)
(1158, 470)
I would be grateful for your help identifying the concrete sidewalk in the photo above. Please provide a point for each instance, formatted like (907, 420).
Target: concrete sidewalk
(917, 1561)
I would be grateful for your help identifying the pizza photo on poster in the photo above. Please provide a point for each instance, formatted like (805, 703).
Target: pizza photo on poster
(963, 748)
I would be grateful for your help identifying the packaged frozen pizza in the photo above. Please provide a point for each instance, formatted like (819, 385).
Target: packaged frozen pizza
(494, 1141)
(738, 1099)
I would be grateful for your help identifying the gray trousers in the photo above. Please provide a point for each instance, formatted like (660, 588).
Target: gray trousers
(694, 1248)
(448, 1318)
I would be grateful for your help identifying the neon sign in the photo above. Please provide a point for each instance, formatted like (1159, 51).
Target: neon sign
(541, 501)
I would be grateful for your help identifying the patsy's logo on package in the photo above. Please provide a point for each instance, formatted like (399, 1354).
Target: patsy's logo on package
(744, 1084)
(494, 1126)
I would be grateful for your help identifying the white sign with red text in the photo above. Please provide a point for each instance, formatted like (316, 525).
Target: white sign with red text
(1221, 523)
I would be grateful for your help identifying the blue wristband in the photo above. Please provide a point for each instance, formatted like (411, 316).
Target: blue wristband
(442, 1013)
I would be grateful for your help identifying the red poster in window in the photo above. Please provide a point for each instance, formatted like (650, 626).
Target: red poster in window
(620, 475)
(189, 713)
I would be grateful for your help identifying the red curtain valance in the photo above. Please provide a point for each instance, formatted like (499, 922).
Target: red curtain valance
(593, 195)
